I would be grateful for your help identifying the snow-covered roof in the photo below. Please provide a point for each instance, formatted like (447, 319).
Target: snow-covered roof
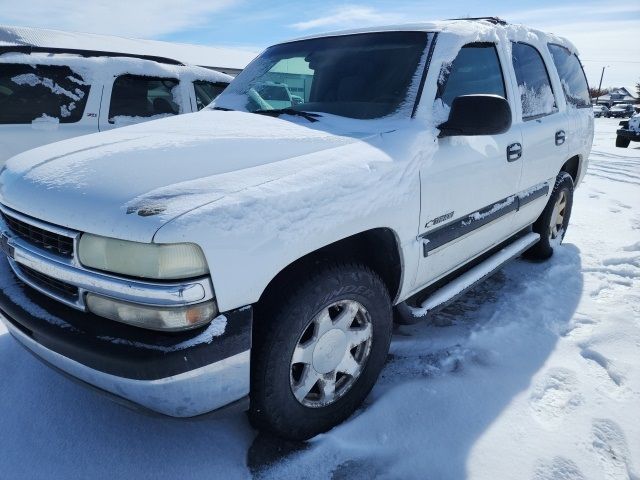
(223, 59)
(469, 28)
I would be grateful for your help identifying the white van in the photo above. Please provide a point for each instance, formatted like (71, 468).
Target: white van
(47, 95)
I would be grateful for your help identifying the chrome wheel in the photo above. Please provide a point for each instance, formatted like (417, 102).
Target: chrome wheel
(331, 354)
(556, 226)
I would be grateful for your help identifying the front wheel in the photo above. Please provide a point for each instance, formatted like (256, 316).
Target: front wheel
(554, 219)
(319, 351)
(622, 142)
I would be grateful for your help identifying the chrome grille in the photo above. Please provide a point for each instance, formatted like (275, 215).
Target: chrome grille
(50, 241)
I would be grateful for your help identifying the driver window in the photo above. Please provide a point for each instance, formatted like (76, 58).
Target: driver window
(476, 70)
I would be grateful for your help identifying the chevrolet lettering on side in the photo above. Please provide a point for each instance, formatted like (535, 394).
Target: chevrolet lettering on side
(252, 256)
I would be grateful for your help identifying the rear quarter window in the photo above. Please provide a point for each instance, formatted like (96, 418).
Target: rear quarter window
(30, 92)
(536, 94)
(572, 77)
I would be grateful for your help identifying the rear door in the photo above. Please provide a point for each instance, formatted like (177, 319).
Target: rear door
(132, 99)
(578, 101)
(40, 104)
(542, 118)
(467, 202)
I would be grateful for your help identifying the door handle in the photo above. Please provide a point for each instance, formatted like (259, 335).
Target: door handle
(514, 152)
(560, 137)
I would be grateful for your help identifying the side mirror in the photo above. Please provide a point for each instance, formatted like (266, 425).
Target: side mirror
(477, 115)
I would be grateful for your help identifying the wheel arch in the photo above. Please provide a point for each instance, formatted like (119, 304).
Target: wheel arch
(572, 167)
(378, 248)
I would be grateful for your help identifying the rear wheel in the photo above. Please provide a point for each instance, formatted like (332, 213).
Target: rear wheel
(554, 220)
(319, 351)
(622, 142)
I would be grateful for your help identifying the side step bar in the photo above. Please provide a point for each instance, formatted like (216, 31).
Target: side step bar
(460, 285)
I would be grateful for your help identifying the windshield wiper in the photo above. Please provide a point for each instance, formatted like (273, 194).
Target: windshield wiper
(222, 109)
(312, 117)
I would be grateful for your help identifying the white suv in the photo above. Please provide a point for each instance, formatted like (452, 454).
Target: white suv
(49, 94)
(252, 257)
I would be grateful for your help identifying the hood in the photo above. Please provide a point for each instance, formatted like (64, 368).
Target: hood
(128, 182)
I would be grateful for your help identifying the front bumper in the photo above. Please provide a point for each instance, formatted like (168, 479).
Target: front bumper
(631, 135)
(179, 375)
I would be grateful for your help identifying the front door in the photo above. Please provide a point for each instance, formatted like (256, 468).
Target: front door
(467, 202)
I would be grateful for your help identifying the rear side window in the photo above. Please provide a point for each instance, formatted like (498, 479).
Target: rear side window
(30, 92)
(206, 92)
(574, 81)
(476, 70)
(136, 96)
(533, 82)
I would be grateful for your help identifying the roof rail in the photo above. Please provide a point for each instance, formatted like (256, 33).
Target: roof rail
(494, 20)
(28, 49)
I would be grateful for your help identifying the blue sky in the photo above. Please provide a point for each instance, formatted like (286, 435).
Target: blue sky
(605, 32)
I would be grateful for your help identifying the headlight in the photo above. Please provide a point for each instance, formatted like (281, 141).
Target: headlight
(154, 318)
(144, 260)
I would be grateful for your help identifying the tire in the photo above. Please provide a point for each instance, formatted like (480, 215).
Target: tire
(551, 236)
(622, 142)
(297, 324)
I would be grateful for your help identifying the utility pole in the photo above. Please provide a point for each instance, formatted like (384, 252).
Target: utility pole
(600, 86)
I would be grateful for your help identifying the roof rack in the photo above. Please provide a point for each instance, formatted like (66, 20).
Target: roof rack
(494, 20)
(28, 49)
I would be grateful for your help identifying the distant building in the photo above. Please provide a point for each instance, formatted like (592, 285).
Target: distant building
(227, 60)
(616, 96)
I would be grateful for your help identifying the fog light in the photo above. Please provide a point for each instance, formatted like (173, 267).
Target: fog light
(153, 318)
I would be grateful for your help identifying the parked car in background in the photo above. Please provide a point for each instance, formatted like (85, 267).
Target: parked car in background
(51, 95)
(622, 110)
(277, 95)
(600, 111)
(244, 257)
(629, 131)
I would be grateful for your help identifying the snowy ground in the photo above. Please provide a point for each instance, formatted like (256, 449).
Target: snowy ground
(536, 376)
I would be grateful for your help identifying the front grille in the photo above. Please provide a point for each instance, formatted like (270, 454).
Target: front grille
(51, 284)
(52, 242)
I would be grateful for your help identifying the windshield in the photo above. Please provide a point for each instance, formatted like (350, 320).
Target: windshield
(362, 76)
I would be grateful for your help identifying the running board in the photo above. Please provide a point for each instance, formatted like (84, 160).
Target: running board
(459, 286)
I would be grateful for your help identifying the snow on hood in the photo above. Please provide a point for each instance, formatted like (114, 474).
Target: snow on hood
(127, 183)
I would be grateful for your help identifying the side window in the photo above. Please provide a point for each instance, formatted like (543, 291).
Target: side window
(574, 81)
(533, 82)
(136, 96)
(47, 92)
(475, 70)
(206, 92)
